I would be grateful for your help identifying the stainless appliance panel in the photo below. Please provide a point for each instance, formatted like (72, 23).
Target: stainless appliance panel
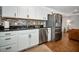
(43, 35)
(55, 22)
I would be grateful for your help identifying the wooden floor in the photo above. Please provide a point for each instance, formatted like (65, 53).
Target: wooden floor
(39, 48)
(64, 45)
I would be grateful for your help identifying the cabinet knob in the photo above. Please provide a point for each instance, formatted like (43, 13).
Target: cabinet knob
(7, 33)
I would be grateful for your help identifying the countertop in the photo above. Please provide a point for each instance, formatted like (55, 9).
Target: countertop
(6, 30)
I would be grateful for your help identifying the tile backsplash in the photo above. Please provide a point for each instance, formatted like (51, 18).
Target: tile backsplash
(24, 22)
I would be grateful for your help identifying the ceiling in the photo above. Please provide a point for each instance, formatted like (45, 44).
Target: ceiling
(65, 9)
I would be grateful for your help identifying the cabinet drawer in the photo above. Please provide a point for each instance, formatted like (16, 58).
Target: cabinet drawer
(7, 40)
(34, 37)
(9, 48)
(7, 34)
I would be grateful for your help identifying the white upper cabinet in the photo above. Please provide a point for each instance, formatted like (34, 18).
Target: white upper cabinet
(22, 12)
(31, 12)
(9, 11)
(28, 12)
(41, 13)
(44, 13)
(38, 12)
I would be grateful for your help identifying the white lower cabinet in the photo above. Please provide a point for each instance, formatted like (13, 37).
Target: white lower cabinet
(27, 38)
(8, 42)
(21, 40)
(33, 37)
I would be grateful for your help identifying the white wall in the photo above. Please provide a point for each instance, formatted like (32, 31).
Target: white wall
(74, 22)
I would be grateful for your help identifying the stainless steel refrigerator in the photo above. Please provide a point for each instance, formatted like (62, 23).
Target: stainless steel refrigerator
(55, 22)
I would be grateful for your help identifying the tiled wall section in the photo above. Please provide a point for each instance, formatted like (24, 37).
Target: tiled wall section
(24, 22)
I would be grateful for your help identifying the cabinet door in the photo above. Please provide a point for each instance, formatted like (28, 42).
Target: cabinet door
(43, 17)
(44, 12)
(27, 39)
(23, 42)
(39, 13)
(34, 37)
(9, 11)
(35, 12)
(32, 12)
(22, 12)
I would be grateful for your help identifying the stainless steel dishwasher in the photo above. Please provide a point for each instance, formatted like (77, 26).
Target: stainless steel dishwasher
(43, 35)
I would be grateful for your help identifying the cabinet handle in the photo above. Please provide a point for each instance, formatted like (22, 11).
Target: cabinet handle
(7, 34)
(7, 38)
(8, 48)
